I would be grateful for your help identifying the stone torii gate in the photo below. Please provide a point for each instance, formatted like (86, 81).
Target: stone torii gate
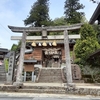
(44, 30)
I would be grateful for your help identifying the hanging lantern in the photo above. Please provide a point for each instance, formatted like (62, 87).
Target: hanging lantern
(39, 44)
(44, 43)
(50, 44)
(54, 43)
(33, 44)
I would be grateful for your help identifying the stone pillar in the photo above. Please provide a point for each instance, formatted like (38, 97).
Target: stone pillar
(11, 70)
(67, 58)
(21, 59)
(24, 76)
(33, 76)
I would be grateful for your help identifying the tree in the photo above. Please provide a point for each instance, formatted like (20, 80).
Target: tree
(87, 44)
(59, 21)
(97, 28)
(72, 14)
(14, 47)
(38, 15)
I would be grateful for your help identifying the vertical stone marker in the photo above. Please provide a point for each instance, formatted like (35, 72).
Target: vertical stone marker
(67, 58)
(11, 67)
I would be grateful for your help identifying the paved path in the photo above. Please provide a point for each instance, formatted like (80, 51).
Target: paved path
(45, 98)
(35, 96)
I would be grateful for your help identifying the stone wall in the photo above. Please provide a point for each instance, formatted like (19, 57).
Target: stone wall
(83, 91)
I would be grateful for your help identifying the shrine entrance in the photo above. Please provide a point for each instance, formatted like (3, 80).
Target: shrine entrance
(52, 57)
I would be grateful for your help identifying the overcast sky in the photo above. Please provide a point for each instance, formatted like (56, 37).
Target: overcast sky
(13, 12)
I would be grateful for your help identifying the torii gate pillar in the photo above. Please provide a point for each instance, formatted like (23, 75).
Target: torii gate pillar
(67, 58)
(21, 60)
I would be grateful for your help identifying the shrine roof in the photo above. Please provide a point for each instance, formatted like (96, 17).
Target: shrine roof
(3, 50)
(94, 54)
(96, 15)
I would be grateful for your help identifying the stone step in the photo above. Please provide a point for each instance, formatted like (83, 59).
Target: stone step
(47, 81)
(78, 81)
(43, 87)
(50, 73)
(2, 77)
(2, 74)
(2, 69)
(50, 69)
(52, 91)
(50, 78)
(2, 66)
(2, 80)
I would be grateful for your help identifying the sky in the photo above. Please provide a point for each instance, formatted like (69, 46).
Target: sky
(13, 12)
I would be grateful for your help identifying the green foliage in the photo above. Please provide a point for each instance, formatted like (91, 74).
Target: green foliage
(59, 21)
(6, 62)
(38, 15)
(72, 14)
(84, 20)
(94, 72)
(97, 29)
(14, 47)
(87, 44)
(87, 31)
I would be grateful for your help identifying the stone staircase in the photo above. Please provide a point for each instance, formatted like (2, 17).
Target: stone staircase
(50, 75)
(2, 74)
(49, 81)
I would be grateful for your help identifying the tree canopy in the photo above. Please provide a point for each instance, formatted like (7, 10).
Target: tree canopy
(72, 14)
(38, 15)
(87, 44)
(59, 21)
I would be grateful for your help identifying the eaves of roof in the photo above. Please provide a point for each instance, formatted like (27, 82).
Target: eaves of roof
(95, 15)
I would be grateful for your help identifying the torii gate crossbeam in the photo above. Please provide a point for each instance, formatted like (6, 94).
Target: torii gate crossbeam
(49, 29)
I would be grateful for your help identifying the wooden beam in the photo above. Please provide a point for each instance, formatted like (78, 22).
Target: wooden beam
(50, 28)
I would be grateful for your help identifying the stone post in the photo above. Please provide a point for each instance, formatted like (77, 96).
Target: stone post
(67, 58)
(21, 59)
(24, 76)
